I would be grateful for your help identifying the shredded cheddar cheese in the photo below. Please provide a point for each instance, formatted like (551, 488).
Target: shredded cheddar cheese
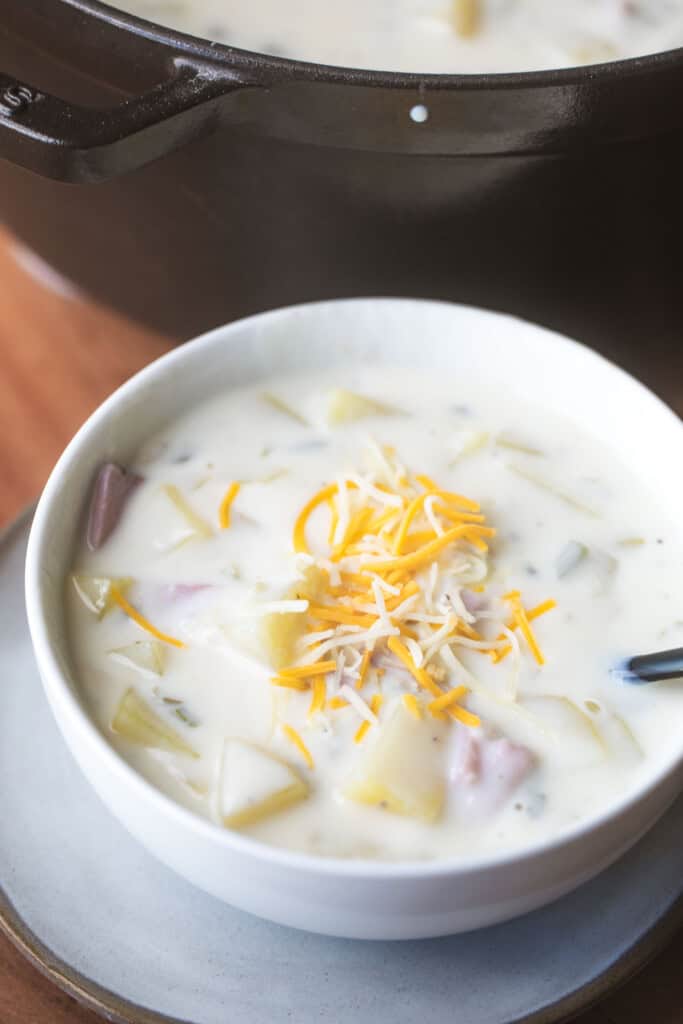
(424, 554)
(377, 525)
(335, 703)
(375, 705)
(420, 675)
(445, 701)
(465, 716)
(322, 496)
(356, 579)
(418, 539)
(319, 695)
(226, 504)
(353, 530)
(340, 615)
(320, 668)
(363, 669)
(410, 513)
(294, 738)
(466, 630)
(334, 519)
(447, 496)
(522, 618)
(459, 517)
(141, 621)
(522, 621)
(412, 704)
(408, 590)
(290, 684)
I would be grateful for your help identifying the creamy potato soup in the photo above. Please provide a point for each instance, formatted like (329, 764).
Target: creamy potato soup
(378, 613)
(439, 36)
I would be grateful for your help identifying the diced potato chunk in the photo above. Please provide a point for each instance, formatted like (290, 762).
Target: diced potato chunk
(468, 442)
(550, 487)
(517, 444)
(345, 406)
(138, 723)
(619, 737)
(145, 656)
(466, 17)
(255, 785)
(280, 632)
(615, 731)
(196, 527)
(570, 557)
(95, 591)
(594, 51)
(283, 407)
(405, 770)
(575, 734)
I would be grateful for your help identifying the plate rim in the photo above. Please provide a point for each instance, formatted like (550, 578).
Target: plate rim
(116, 1008)
(119, 1010)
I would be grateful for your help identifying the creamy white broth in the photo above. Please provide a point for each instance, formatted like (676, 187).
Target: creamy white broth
(621, 598)
(438, 36)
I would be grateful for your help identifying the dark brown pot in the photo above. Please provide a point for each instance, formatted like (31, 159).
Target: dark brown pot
(187, 184)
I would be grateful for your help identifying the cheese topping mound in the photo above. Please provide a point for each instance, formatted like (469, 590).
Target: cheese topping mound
(398, 554)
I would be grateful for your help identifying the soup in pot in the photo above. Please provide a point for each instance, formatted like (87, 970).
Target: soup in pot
(378, 613)
(431, 36)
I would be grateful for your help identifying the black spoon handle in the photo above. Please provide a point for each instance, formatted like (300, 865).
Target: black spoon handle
(649, 668)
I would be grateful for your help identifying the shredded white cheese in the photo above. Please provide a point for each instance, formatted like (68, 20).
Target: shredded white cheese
(358, 703)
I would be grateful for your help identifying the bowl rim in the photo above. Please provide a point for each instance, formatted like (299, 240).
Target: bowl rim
(58, 689)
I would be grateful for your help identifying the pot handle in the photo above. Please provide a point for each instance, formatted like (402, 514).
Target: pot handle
(67, 142)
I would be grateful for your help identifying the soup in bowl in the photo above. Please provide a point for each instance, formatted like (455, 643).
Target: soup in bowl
(331, 606)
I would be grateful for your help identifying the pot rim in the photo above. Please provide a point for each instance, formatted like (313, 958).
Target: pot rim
(217, 52)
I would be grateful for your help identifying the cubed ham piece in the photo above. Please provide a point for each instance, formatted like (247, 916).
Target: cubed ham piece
(113, 487)
(485, 772)
(180, 591)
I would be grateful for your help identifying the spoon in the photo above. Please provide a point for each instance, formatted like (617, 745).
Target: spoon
(649, 668)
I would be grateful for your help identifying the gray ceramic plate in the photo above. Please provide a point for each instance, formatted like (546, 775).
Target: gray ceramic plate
(124, 935)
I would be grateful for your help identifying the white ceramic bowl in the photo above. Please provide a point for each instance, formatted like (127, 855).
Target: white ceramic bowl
(347, 898)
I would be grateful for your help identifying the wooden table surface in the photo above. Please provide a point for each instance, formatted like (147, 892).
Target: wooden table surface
(60, 357)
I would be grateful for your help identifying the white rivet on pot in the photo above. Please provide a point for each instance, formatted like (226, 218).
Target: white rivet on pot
(419, 113)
